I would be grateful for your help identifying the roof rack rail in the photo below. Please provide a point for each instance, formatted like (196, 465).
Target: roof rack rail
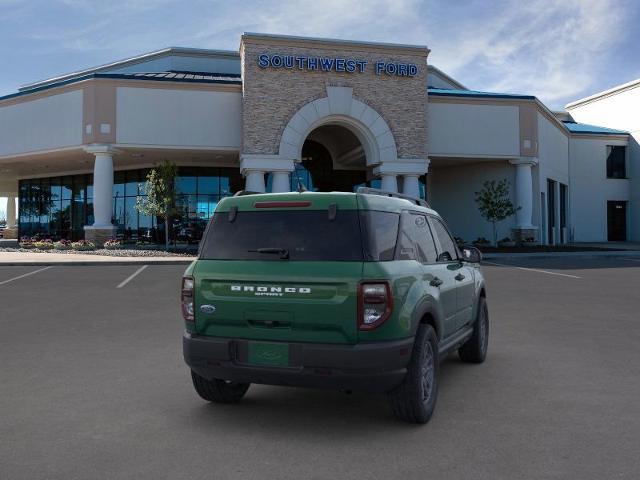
(385, 193)
(242, 193)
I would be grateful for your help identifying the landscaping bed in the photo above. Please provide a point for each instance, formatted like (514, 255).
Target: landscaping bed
(120, 252)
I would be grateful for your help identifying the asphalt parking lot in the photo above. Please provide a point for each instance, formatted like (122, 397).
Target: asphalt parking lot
(92, 385)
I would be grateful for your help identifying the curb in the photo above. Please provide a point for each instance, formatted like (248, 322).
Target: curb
(90, 263)
(548, 255)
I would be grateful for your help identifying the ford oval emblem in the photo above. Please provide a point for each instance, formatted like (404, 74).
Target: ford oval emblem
(207, 309)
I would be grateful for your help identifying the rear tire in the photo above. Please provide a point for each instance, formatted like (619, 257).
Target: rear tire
(218, 391)
(414, 400)
(475, 349)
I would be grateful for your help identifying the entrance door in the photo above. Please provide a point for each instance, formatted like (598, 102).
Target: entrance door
(617, 221)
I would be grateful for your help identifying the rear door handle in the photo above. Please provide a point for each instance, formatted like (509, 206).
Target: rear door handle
(459, 277)
(436, 282)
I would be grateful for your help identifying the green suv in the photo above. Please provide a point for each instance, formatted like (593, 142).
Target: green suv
(361, 291)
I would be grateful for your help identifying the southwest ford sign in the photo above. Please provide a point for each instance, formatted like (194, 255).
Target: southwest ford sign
(331, 64)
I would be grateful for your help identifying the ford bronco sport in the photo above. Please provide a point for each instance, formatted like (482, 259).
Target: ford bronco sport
(361, 291)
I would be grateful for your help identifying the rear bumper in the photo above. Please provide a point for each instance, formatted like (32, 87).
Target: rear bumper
(368, 367)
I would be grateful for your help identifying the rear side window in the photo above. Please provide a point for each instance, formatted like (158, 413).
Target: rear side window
(381, 234)
(305, 235)
(449, 251)
(416, 241)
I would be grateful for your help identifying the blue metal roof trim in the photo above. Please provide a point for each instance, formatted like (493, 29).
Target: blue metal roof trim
(229, 79)
(444, 92)
(575, 127)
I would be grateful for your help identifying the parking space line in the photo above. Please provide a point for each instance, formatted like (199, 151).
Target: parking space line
(25, 275)
(132, 276)
(532, 270)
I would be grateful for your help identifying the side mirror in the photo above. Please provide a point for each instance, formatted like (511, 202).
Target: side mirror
(471, 254)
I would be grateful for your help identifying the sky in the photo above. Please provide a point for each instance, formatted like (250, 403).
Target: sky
(558, 50)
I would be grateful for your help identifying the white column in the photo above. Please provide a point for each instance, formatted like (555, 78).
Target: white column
(411, 185)
(389, 182)
(280, 182)
(524, 192)
(11, 211)
(254, 181)
(103, 190)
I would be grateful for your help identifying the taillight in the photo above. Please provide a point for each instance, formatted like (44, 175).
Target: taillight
(374, 304)
(186, 299)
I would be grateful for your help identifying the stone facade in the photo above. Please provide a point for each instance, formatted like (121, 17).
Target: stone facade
(271, 96)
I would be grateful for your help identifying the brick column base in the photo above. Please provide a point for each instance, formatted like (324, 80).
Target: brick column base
(522, 234)
(10, 233)
(99, 235)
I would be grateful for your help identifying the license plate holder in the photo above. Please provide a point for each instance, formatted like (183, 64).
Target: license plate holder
(268, 354)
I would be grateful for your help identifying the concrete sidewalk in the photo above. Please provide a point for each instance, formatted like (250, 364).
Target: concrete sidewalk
(45, 259)
(592, 253)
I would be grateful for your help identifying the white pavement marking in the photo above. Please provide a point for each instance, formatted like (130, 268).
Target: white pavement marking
(533, 270)
(132, 276)
(25, 275)
(632, 259)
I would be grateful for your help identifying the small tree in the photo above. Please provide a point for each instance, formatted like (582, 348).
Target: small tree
(494, 203)
(160, 193)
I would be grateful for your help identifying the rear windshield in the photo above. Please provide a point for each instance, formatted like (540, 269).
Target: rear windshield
(303, 235)
(306, 235)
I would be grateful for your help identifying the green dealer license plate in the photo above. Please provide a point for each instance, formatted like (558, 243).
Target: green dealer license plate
(269, 354)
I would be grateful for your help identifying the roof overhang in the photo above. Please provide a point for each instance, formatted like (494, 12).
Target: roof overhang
(145, 57)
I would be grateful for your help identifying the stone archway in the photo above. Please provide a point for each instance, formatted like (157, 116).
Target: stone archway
(340, 108)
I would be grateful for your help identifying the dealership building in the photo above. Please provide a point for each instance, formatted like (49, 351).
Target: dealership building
(328, 114)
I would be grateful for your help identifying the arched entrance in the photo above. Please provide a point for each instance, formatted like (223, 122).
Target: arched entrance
(339, 140)
(334, 159)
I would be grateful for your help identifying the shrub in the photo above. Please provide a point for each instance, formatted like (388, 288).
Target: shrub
(43, 244)
(481, 241)
(83, 245)
(112, 244)
(62, 245)
(26, 242)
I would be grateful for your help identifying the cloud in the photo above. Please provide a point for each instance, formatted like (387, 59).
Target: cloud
(558, 50)
(542, 47)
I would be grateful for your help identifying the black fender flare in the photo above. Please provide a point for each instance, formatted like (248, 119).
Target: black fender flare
(427, 307)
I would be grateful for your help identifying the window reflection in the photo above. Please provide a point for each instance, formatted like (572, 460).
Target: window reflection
(60, 207)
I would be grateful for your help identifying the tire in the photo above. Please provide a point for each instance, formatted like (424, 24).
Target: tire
(475, 349)
(219, 391)
(414, 400)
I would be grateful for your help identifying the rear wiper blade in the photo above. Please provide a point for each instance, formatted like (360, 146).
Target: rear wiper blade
(283, 252)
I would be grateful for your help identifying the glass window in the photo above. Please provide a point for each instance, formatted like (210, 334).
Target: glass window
(79, 187)
(131, 218)
(67, 188)
(119, 214)
(616, 162)
(186, 184)
(90, 186)
(131, 185)
(208, 185)
(416, 240)
(119, 179)
(310, 236)
(448, 251)
(65, 214)
(382, 232)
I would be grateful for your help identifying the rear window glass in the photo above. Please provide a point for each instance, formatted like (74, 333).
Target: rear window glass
(304, 235)
(381, 233)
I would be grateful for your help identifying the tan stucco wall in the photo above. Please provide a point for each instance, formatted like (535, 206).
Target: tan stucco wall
(271, 96)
